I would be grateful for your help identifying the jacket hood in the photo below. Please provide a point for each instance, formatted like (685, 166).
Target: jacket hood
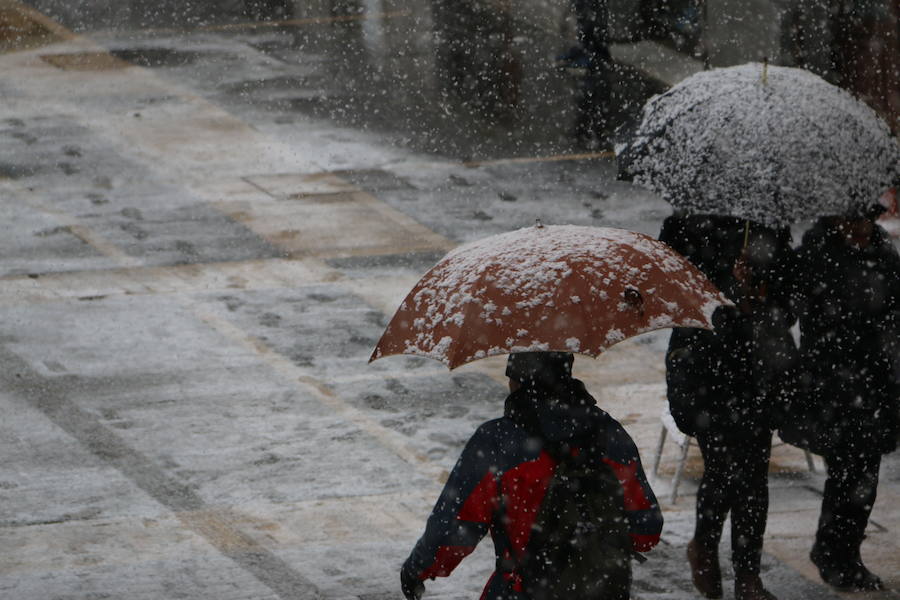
(559, 415)
(539, 369)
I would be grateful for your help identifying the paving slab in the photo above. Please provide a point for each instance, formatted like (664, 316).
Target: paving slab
(334, 225)
(221, 277)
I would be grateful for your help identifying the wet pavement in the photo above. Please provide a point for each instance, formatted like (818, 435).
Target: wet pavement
(419, 75)
(208, 222)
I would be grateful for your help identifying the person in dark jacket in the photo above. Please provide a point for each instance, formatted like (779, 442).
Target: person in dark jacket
(724, 387)
(848, 293)
(505, 454)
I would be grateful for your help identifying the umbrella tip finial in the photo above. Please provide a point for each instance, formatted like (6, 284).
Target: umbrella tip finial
(765, 70)
(538, 224)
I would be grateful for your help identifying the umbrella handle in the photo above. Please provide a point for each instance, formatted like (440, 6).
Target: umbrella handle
(740, 270)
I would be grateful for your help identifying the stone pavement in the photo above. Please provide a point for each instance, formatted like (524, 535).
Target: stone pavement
(189, 293)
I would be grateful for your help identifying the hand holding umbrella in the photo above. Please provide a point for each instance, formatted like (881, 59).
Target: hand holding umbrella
(753, 290)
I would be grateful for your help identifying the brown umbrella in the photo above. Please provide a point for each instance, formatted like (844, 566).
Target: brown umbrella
(562, 288)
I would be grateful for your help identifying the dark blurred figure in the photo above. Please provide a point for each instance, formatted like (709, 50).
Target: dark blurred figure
(477, 64)
(602, 93)
(866, 54)
(678, 22)
(725, 386)
(852, 43)
(592, 17)
(591, 60)
(848, 294)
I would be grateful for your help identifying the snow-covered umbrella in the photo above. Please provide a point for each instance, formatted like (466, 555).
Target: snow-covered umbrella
(561, 288)
(770, 144)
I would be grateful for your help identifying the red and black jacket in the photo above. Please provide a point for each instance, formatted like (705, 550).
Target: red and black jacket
(504, 454)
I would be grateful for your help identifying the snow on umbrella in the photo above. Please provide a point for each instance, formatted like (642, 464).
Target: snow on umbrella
(771, 144)
(563, 288)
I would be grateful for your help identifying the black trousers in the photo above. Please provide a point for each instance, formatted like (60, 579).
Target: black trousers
(850, 491)
(736, 480)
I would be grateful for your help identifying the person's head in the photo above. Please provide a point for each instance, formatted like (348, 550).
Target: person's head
(538, 369)
(856, 229)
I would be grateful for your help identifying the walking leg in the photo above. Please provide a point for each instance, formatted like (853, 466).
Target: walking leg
(712, 508)
(749, 515)
(850, 492)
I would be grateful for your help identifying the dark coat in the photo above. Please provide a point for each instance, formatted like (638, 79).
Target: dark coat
(730, 380)
(504, 455)
(848, 300)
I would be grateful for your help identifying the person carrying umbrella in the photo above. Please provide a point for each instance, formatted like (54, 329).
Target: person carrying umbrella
(502, 477)
(724, 387)
(556, 481)
(767, 146)
(848, 297)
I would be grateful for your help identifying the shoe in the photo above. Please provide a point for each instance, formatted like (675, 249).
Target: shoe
(847, 573)
(750, 587)
(864, 580)
(705, 572)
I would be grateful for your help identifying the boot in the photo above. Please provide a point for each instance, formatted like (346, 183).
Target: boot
(749, 587)
(864, 580)
(844, 570)
(705, 571)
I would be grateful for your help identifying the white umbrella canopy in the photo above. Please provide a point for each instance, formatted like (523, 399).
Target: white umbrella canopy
(772, 144)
